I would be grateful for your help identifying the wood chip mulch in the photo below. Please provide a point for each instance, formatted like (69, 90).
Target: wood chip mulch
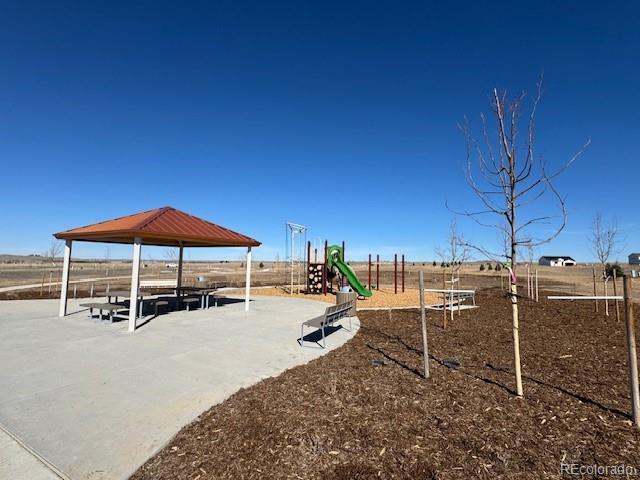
(383, 298)
(364, 411)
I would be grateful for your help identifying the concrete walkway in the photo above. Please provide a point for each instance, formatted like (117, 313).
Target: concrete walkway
(96, 401)
(17, 462)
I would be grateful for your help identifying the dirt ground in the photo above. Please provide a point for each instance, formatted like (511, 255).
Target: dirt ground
(365, 411)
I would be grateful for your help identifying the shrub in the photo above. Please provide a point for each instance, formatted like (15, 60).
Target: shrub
(261, 265)
(434, 263)
(482, 267)
(609, 268)
(498, 267)
(490, 267)
(442, 265)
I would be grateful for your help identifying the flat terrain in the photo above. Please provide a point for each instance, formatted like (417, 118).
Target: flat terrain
(364, 411)
(96, 401)
(115, 274)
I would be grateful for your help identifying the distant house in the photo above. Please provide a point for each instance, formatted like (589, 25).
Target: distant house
(634, 259)
(559, 261)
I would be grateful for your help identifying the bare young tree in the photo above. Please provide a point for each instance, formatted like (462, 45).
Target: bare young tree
(604, 243)
(456, 251)
(54, 251)
(508, 178)
(603, 239)
(170, 254)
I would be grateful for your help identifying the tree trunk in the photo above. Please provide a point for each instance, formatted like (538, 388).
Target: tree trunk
(514, 296)
(516, 337)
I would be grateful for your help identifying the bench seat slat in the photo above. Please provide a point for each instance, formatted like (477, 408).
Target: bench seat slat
(104, 306)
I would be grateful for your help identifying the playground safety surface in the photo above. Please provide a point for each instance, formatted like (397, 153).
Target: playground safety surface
(364, 410)
(385, 297)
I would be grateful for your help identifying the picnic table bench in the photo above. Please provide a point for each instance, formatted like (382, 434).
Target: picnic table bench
(188, 301)
(331, 315)
(111, 308)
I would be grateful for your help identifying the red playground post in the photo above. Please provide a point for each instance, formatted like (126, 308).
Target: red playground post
(308, 262)
(370, 272)
(325, 275)
(402, 273)
(395, 273)
(377, 272)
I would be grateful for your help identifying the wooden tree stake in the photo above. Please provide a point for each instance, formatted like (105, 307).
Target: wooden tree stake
(615, 294)
(594, 288)
(444, 299)
(423, 320)
(606, 294)
(632, 357)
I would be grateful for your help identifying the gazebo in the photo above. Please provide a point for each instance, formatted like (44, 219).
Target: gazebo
(165, 226)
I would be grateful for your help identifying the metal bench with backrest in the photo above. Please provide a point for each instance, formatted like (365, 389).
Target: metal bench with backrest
(331, 315)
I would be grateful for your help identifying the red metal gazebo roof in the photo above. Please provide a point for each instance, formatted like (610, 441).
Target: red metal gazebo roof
(162, 226)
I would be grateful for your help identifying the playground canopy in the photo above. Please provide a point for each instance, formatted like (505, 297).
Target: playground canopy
(165, 226)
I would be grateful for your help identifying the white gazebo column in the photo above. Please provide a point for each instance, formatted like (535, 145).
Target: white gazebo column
(179, 276)
(247, 285)
(135, 283)
(64, 288)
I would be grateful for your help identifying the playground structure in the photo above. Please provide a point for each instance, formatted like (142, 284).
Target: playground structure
(395, 273)
(296, 237)
(320, 276)
(330, 271)
(335, 262)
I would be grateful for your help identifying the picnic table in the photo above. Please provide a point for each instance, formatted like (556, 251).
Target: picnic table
(204, 294)
(126, 294)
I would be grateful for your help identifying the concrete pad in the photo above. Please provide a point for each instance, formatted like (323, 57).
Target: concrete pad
(16, 462)
(96, 401)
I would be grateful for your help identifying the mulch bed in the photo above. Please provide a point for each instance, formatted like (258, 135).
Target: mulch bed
(342, 417)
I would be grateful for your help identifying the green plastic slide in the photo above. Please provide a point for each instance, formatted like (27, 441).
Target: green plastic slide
(336, 258)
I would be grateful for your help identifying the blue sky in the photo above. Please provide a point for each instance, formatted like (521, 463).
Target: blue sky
(337, 115)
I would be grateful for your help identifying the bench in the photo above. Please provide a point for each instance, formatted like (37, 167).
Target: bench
(159, 303)
(331, 315)
(108, 307)
(189, 300)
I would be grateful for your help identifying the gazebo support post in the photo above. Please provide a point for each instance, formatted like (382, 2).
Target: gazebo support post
(247, 285)
(135, 283)
(179, 277)
(65, 279)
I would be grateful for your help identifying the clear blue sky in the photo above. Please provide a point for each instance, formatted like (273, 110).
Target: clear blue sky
(337, 115)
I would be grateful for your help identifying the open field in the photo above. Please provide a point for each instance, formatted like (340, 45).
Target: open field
(343, 417)
(115, 274)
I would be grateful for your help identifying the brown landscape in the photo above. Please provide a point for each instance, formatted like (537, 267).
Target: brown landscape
(20, 270)
(365, 411)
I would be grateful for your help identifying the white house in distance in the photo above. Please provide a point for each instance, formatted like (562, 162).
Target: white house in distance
(559, 261)
(634, 259)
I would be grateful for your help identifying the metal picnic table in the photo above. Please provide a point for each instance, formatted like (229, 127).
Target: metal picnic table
(204, 294)
(126, 294)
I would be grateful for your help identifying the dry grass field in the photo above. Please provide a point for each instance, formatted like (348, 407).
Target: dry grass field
(115, 274)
